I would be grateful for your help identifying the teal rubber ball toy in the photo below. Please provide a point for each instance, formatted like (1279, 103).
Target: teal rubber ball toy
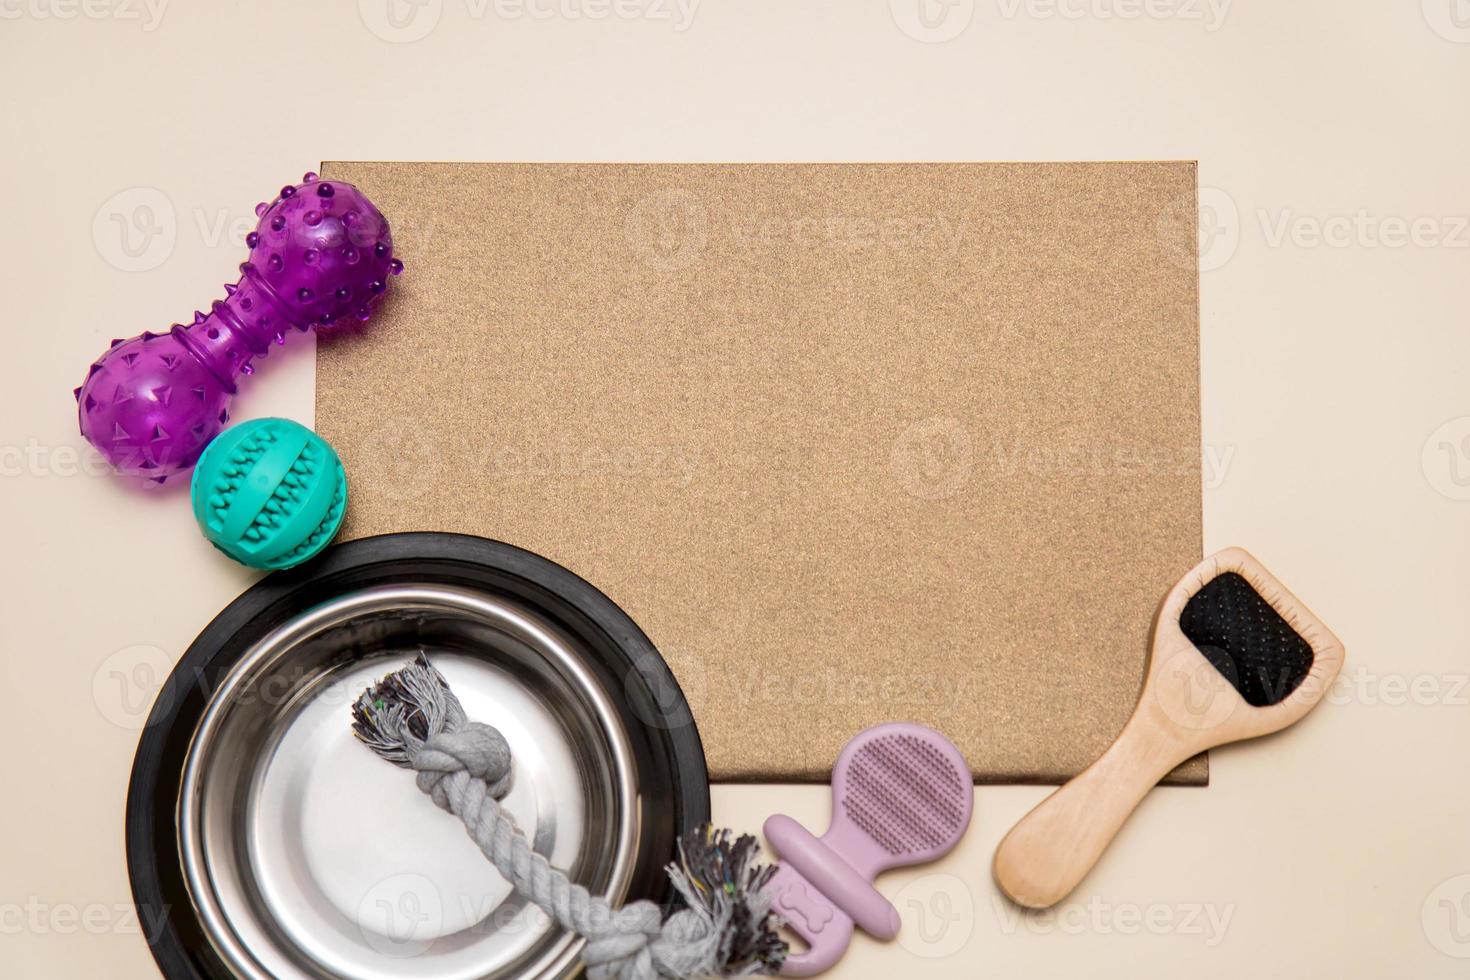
(270, 493)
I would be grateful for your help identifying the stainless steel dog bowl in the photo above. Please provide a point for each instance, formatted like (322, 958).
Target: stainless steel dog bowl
(276, 846)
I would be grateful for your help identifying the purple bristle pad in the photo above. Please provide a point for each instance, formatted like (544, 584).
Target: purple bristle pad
(321, 253)
(901, 794)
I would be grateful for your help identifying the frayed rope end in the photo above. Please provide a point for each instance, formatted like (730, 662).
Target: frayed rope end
(405, 709)
(718, 877)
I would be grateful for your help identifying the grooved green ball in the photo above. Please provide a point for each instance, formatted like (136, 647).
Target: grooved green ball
(270, 493)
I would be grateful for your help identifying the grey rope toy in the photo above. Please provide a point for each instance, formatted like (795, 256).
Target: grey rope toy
(726, 928)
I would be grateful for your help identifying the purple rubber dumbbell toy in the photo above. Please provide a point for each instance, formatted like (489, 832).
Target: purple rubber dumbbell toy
(321, 252)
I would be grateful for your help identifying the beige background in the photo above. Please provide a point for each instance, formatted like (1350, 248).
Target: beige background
(1332, 142)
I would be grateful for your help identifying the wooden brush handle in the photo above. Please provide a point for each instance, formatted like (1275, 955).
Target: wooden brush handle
(1053, 847)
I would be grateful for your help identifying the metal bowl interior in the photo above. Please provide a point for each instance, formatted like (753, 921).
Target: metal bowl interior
(671, 784)
(307, 856)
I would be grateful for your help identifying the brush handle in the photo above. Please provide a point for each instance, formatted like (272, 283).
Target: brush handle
(1186, 706)
(1054, 846)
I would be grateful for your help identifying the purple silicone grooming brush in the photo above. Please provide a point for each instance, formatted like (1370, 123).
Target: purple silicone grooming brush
(901, 794)
(151, 404)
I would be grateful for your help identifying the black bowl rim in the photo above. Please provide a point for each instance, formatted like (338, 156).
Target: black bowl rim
(179, 946)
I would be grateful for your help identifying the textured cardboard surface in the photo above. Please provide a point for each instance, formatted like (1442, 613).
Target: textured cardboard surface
(852, 443)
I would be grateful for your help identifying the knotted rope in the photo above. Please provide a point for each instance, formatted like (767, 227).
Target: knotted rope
(726, 929)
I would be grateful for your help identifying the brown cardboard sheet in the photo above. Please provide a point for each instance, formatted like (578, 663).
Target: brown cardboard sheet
(851, 442)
